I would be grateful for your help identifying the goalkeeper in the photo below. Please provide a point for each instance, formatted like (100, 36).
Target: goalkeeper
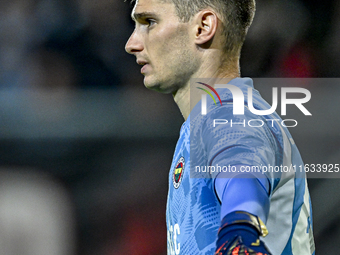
(179, 42)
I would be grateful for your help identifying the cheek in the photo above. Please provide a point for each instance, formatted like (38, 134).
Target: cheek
(162, 54)
(169, 51)
(163, 41)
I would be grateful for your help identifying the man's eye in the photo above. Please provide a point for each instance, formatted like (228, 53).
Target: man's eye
(150, 22)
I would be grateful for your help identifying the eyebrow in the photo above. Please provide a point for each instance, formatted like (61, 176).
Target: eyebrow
(136, 16)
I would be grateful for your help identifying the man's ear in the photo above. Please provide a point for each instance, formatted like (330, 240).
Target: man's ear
(206, 22)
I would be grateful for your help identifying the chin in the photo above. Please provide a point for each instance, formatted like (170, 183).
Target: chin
(150, 84)
(157, 86)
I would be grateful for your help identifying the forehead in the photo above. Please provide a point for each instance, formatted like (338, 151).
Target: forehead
(157, 7)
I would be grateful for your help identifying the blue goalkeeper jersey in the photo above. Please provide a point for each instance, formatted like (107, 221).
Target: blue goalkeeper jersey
(193, 208)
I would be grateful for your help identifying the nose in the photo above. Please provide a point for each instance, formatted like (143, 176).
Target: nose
(134, 44)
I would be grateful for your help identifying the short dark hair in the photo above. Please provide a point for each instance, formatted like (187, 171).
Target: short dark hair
(236, 17)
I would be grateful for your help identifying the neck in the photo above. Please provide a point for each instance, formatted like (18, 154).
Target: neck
(186, 99)
(212, 70)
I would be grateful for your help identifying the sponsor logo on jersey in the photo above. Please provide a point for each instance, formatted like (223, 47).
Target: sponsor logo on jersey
(178, 172)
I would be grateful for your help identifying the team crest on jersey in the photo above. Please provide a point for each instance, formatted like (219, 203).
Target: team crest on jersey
(177, 175)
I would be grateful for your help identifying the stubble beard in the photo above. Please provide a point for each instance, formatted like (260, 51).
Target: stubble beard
(182, 64)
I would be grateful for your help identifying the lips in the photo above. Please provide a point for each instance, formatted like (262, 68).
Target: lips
(143, 63)
(143, 68)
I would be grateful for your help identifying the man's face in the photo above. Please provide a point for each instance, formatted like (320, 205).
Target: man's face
(162, 44)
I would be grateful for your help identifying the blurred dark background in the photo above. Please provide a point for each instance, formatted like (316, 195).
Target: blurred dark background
(85, 149)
